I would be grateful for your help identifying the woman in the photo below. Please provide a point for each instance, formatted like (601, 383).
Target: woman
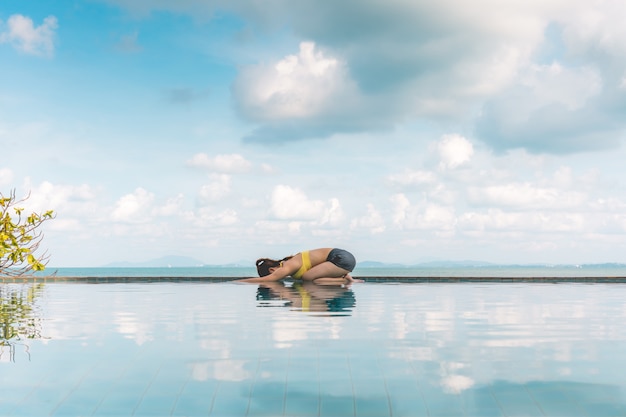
(323, 266)
(307, 296)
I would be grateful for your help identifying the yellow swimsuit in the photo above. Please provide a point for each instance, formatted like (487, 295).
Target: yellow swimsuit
(306, 297)
(306, 265)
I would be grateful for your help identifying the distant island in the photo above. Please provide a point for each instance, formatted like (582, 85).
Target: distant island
(174, 261)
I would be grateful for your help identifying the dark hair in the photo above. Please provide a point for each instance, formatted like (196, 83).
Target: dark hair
(263, 265)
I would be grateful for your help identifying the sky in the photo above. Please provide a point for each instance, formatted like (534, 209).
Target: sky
(402, 130)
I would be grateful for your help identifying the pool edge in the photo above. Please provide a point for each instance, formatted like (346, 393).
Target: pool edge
(370, 279)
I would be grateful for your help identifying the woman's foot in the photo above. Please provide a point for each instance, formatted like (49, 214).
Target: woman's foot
(350, 280)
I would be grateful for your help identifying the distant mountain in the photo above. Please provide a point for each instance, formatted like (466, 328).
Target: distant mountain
(482, 264)
(430, 264)
(376, 264)
(454, 264)
(162, 262)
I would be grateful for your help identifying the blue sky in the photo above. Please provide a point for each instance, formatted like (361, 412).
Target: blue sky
(404, 131)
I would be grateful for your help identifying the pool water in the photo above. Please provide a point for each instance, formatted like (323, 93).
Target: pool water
(226, 349)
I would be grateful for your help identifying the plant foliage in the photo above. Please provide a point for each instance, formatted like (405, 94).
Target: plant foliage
(20, 317)
(20, 237)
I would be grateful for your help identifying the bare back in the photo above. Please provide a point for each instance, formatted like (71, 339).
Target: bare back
(317, 257)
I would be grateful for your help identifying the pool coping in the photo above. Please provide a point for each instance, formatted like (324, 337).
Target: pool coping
(369, 279)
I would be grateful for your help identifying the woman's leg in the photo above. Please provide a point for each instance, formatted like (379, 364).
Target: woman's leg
(325, 270)
(334, 282)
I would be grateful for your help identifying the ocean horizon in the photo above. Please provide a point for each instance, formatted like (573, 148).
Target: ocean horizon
(418, 271)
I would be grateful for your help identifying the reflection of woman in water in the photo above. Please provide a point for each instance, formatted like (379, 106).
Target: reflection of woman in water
(308, 296)
(323, 266)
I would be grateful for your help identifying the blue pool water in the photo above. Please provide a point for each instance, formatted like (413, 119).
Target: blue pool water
(226, 349)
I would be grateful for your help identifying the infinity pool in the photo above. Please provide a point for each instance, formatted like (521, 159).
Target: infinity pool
(226, 349)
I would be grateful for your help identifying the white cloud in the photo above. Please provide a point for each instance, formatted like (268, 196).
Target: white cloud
(413, 178)
(333, 214)
(373, 221)
(218, 188)
(554, 83)
(135, 207)
(25, 37)
(437, 217)
(297, 86)
(408, 60)
(229, 164)
(543, 75)
(76, 207)
(454, 151)
(209, 217)
(289, 203)
(6, 176)
(171, 207)
(268, 169)
(590, 26)
(49, 196)
(516, 222)
(424, 216)
(526, 196)
(400, 206)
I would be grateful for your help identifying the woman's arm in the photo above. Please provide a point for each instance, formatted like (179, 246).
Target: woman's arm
(277, 275)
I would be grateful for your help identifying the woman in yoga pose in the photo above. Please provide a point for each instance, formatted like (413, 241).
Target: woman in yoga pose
(322, 266)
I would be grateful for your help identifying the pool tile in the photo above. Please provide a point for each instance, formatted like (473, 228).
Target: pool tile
(41, 401)
(155, 405)
(195, 398)
(30, 410)
(443, 408)
(120, 402)
(339, 388)
(408, 405)
(605, 409)
(440, 403)
(372, 406)
(207, 387)
(512, 395)
(481, 403)
(369, 387)
(273, 369)
(231, 399)
(302, 404)
(517, 402)
(301, 397)
(336, 405)
(74, 408)
(472, 411)
(267, 398)
(265, 407)
(13, 395)
(193, 405)
(593, 393)
(268, 388)
(302, 383)
(80, 402)
(364, 368)
(229, 406)
(402, 387)
(547, 394)
(564, 409)
(520, 410)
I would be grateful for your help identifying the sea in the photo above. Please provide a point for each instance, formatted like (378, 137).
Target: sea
(490, 271)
